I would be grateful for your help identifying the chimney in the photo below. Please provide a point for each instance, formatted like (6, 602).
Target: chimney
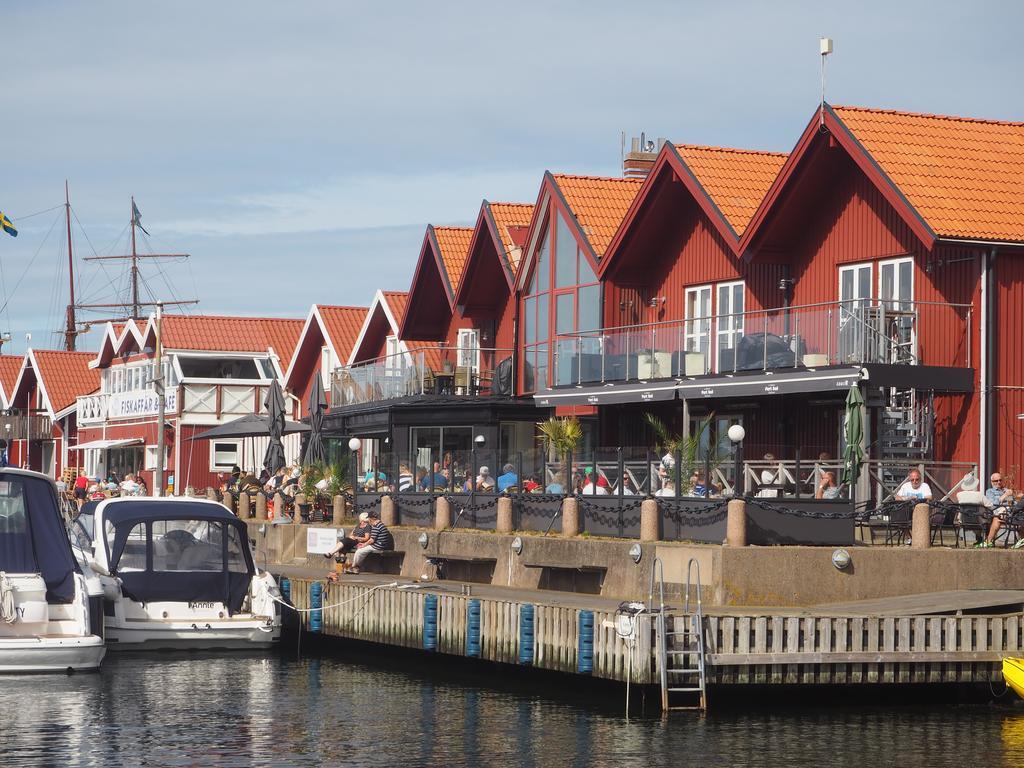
(637, 163)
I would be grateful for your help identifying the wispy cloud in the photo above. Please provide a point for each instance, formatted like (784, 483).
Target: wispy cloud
(364, 202)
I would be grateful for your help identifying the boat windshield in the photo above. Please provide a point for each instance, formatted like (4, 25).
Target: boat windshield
(33, 538)
(161, 552)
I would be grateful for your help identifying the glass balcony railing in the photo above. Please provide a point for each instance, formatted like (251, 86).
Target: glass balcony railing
(437, 370)
(809, 336)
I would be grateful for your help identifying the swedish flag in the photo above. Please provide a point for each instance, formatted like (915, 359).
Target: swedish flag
(7, 225)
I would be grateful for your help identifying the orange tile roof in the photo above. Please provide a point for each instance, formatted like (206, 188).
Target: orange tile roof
(735, 179)
(510, 216)
(343, 325)
(10, 366)
(962, 175)
(454, 245)
(65, 376)
(599, 204)
(397, 301)
(213, 333)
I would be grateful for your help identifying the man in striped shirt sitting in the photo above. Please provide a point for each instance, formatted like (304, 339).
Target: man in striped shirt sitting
(381, 540)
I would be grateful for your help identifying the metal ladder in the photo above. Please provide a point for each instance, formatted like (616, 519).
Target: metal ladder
(681, 653)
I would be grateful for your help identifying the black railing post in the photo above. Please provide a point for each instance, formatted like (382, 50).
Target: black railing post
(650, 474)
(519, 472)
(679, 472)
(430, 469)
(621, 466)
(567, 486)
(707, 470)
(472, 482)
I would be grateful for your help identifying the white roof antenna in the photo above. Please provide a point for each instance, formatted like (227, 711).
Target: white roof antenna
(824, 48)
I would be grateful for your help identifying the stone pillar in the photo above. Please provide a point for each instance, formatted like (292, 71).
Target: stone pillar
(650, 520)
(921, 527)
(279, 506)
(300, 499)
(442, 514)
(736, 524)
(388, 515)
(243, 505)
(228, 501)
(570, 517)
(504, 524)
(338, 509)
(261, 506)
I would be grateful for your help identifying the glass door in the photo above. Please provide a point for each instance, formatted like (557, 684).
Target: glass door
(855, 324)
(697, 330)
(896, 302)
(729, 317)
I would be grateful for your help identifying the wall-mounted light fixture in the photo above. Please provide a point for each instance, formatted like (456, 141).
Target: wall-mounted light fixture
(841, 559)
(517, 545)
(423, 540)
(636, 553)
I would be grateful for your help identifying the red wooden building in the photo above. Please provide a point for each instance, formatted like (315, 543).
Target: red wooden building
(42, 425)
(326, 342)
(215, 369)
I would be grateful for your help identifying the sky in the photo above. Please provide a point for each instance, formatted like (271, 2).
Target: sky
(297, 151)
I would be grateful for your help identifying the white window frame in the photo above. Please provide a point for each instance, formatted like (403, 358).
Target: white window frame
(895, 264)
(907, 341)
(697, 328)
(468, 349)
(734, 319)
(149, 459)
(225, 467)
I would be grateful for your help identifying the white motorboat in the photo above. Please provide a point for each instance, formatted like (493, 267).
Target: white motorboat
(48, 623)
(178, 573)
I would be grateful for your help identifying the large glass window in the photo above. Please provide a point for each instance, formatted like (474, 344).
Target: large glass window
(561, 275)
(447, 447)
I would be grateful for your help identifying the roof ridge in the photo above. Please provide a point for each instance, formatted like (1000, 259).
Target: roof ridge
(448, 226)
(595, 178)
(341, 306)
(249, 318)
(515, 205)
(735, 150)
(905, 113)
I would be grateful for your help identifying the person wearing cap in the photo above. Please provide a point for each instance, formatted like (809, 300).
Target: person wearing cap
(593, 487)
(998, 498)
(484, 481)
(358, 535)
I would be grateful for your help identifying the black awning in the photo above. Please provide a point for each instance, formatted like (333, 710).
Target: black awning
(607, 394)
(762, 383)
(934, 378)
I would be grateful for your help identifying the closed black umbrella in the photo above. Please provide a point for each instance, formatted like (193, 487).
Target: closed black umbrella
(317, 403)
(274, 402)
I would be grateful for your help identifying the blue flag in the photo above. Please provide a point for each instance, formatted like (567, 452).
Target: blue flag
(137, 218)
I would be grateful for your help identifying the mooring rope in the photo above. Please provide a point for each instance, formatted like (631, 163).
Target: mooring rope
(8, 610)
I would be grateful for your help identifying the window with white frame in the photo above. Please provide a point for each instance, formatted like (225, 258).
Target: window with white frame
(468, 346)
(729, 316)
(151, 455)
(224, 454)
(393, 359)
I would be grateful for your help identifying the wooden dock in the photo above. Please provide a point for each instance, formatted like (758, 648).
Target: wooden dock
(759, 647)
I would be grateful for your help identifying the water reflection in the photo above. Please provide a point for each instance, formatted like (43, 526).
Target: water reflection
(191, 710)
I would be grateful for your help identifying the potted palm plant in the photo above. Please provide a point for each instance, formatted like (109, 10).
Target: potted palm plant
(560, 437)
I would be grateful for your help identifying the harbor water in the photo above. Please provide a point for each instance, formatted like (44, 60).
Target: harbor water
(227, 710)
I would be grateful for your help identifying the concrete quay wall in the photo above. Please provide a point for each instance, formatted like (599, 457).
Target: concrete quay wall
(782, 576)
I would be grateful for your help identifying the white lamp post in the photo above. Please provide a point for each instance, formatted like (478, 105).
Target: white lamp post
(736, 434)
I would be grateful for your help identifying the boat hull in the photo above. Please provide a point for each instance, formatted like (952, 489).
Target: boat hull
(206, 636)
(50, 654)
(1013, 675)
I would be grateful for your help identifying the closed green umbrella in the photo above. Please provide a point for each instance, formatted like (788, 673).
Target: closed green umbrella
(854, 429)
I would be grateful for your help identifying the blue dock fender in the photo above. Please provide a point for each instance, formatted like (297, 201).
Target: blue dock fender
(316, 602)
(585, 651)
(473, 628)
(430, 622)
(286, 589)
(526, 636)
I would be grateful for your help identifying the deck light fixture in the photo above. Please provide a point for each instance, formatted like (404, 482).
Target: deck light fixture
(736, 434)
(354, 444)
(479, 440)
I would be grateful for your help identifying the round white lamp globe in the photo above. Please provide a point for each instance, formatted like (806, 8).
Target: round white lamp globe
(737, 433)
(354, 444)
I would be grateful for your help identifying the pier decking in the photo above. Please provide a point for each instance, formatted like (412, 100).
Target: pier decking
(782, 646)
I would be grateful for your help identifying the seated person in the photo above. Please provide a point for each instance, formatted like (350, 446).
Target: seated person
(914, 489)
(827, 488)
(484, 481)
(405, 478)
(507, 479)
(998, 498)
(440, 482)
(628, 487)
(769, 476)
(358, 535)
(557, 484)
(381, 540)
(530, 485)
(697, 486)
(668, 488)
(592, 486)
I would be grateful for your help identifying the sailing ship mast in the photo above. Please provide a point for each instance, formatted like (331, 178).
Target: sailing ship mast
(70, 326)
(136, 303)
